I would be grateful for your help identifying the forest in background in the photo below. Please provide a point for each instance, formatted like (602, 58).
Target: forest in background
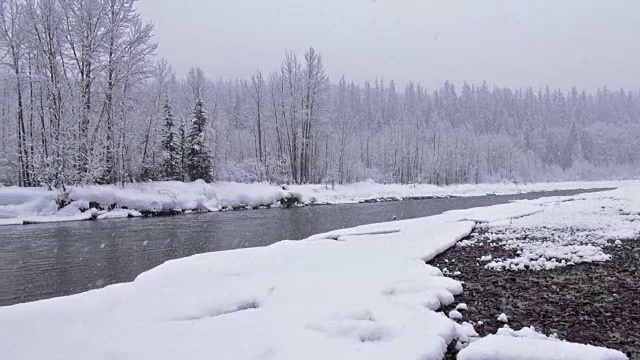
(85, 100)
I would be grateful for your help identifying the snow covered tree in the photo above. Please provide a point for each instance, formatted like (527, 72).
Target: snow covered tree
(82, 102)
(171, 154)
(148, 170)
(198, 160)
(182, 149)
(256, 91)
(12, 41)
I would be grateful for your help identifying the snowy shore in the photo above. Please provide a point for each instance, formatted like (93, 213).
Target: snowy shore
(359, 293)
(37, 205)
(569, 270)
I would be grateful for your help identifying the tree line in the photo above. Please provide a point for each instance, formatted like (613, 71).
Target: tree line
(84, 100)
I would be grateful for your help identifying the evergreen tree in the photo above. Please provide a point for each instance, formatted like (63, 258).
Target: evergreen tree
(571, 149)
(171, 153)
(182, 148)
(198, 161)
(148, 171)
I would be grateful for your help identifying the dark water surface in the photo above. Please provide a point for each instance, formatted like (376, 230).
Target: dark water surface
(49, 260)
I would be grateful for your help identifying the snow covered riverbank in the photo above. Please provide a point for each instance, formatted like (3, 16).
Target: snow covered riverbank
(33, 205)
(371, 192)
(570, 270)
(36, 205)
(568, 231)
(359, 293)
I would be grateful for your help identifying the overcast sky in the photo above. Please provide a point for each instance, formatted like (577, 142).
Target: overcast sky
(586, 43)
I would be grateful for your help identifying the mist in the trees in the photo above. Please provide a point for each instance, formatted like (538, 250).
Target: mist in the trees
(84, 101)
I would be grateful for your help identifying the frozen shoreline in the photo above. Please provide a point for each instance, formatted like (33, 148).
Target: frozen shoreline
(37, 205)
(358, 293)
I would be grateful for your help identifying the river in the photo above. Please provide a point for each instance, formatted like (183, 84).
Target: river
(51, 260)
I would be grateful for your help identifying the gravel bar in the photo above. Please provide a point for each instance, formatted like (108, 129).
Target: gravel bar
(590, 303)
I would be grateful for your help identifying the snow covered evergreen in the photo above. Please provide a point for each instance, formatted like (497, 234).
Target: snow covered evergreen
(171, 155)
(182, 148)
(198, 159)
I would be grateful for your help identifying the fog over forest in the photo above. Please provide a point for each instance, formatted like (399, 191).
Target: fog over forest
(86, 99)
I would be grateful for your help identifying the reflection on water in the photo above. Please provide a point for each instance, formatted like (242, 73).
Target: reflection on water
(49, 260)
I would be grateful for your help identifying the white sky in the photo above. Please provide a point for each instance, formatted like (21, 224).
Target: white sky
(586, 43)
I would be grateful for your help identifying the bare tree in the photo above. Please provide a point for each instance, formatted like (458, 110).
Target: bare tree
(84, 32)
(256, 90)
(12, 38)
(197, 83)
(315, 85)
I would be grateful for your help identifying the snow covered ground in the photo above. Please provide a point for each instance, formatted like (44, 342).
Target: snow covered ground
(567, 231)
(31, 205)
(371, 191)
(35, 205)
(527, 344)
(359, 293)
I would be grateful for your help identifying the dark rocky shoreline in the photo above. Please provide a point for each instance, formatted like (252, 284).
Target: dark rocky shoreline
(591, 303)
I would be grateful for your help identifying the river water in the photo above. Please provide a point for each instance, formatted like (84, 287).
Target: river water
(49, 260)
